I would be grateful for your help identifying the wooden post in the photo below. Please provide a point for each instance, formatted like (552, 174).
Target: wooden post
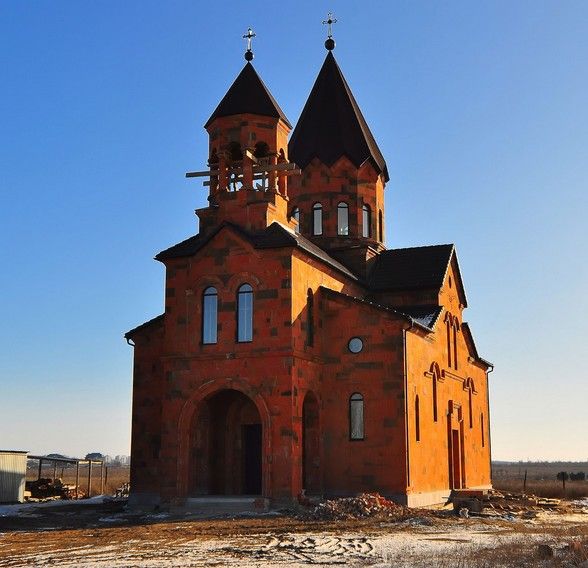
(40, 468)
(89, 477)
(54, 470)
(77, 479)
(62, 472)
(102, 478)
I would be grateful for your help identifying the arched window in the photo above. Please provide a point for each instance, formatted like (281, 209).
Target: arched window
(417, 419)
(366, 221)
(317, 219)
(245, 313)
(448, 327)
(470, 408)
(435, 380)
(261, 150)
(343, 219)
(482, 429)
(209, 315)
(309, 318)
(356, 429)
(381, 226)
(455, 330)
(296, 216)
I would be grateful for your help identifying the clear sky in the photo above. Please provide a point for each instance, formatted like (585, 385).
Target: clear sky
(480, 109)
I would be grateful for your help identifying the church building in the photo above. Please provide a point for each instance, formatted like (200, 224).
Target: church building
(296, 353)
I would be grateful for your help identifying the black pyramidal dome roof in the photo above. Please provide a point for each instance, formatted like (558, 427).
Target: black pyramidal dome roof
(248, 94)
(331, 125)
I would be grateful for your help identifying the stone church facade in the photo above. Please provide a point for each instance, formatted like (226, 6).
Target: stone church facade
(297, 354)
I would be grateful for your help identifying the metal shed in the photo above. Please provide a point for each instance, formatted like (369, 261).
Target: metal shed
(13, 472)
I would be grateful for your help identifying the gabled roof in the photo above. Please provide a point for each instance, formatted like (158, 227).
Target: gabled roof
(155, 321)
(331, 125)
(274, 236)
(248, 94)
(469, 339)
(411, 268)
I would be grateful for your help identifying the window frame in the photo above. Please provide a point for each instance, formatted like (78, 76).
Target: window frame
(342, 206)
(317, 208)
(205, 295)
(240, 293)
(366, 221)
(296, 215)
(354, 399)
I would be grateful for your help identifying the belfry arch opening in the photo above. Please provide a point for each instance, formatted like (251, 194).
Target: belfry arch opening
(226, 454)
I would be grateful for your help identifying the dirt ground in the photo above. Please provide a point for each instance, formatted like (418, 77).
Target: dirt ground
(108, 536)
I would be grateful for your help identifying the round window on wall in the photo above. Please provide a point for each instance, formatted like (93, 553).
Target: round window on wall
(355, 345)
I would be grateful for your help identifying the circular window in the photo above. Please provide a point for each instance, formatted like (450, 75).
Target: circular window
(355, 345)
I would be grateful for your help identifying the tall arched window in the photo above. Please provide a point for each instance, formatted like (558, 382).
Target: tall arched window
(417, 418)
(455, 330)
(309, 318)
(209, 315)
(343, 219)
(245, 313)
(448, 326)
(317, 219)
(435, 380)
(366, 223)
(356, 429)
(296, 216)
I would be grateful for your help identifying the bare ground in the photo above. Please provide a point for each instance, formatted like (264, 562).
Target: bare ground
(108, 536)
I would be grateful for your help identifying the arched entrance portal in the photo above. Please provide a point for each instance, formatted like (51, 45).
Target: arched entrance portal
(311, 471)
(226, 451)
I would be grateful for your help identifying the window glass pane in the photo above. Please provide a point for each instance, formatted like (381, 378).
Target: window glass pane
(296, 215)
(245, 313)
(366, 222)
(356, 417)
(209, 316)
(317, 219)
(342, 219)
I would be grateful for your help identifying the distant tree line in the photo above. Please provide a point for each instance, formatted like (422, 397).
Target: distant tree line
(565, 476)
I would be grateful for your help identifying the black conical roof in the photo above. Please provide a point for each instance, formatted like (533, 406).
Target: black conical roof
(331, 125)
(248, 94)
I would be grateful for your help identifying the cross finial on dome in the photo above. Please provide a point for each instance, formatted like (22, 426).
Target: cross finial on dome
(330, 43)
(249, 36)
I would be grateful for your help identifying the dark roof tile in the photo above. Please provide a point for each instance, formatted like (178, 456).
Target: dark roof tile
(331, 125)
(248, 94)
(411, 268)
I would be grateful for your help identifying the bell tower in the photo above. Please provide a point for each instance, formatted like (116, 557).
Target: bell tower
(339, 199)
(248, 156)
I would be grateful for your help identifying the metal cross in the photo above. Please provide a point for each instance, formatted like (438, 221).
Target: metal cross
(249, 36)
(329, 21)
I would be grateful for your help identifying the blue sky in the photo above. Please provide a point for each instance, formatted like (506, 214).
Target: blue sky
(479, 109)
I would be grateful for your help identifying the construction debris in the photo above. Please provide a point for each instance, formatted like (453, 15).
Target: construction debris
(360, 507)
(46, 488)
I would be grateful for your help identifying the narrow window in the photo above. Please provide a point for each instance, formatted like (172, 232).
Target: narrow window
(470, 405)
(317, 219)
(343, 219)
(448, 326)
(245, 313)
(482, 428)
(310, 318)
(381, 226)
(209, 315)
(356, 431)
(296, 216)
(455, 344)
(435, 397)
(417, 418)
(366, 221)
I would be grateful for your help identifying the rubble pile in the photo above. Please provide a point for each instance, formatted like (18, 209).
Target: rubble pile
(359, 507)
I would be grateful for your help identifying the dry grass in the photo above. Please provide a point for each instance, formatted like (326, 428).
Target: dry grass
(114, 476)
(541, 479)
